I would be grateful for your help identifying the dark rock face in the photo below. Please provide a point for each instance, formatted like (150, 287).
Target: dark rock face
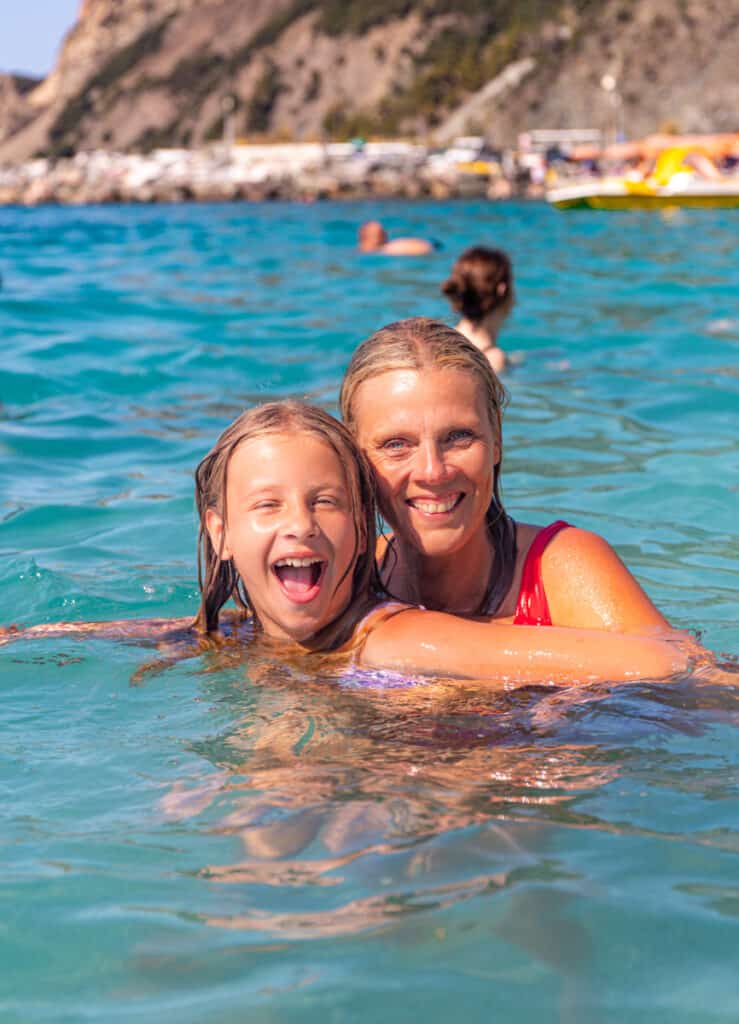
(134, 75)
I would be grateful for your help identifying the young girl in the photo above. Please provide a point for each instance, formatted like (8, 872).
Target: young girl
(287, 530)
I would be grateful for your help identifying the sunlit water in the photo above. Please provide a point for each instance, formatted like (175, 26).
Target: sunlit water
(226, 839)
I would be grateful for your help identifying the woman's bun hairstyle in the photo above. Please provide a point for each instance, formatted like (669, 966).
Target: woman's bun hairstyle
(481, 280)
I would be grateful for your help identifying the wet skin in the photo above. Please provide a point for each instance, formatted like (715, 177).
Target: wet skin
(290, 531)
(434, 451)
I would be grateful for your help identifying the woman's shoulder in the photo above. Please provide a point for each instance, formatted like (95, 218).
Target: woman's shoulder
(588, 585)
(575, 542)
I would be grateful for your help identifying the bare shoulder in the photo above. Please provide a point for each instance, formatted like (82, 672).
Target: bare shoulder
(582, 545)
(393, 637)
(407, 247)
(588, 585)
(497, 359)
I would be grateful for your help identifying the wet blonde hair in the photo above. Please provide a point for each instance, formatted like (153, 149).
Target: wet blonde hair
(218, 578)
(421, 343)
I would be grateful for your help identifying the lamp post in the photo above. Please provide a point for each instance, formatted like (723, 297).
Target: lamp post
(609, 85)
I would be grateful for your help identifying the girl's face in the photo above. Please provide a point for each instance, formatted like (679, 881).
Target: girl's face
(290, 531)
(429, 438)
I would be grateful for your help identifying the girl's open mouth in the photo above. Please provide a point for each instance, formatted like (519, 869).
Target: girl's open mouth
(300, 578)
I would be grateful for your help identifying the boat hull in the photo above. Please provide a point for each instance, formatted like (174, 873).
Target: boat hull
(628, 197)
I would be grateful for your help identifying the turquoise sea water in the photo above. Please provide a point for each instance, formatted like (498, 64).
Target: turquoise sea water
(225, 839)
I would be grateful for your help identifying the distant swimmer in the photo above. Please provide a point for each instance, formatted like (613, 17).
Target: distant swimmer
(480, 287)
(374, 238)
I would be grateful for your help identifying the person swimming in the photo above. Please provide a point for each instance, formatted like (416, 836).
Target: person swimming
(374, 238)
(287, 531)
(426, 408)
(480, 287)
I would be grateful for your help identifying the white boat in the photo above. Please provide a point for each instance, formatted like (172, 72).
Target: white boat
(620, 193)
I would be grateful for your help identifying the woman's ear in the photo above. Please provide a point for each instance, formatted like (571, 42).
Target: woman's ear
(497, 451)
(217, 534)
(501, 288)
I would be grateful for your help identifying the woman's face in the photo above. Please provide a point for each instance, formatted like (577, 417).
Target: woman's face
(429, 438)
(290, 531)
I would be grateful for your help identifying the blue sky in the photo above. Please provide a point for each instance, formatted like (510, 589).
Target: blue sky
(31, 32)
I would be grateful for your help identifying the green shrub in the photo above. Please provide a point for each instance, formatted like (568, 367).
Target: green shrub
(65, 132)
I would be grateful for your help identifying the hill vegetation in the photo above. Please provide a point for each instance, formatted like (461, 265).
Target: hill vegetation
(137, 74)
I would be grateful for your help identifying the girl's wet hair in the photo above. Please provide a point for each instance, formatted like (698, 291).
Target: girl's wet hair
(481, 281)
(420, 343)
(218, 578)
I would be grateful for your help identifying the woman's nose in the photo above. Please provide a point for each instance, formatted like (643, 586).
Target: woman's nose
(431, 465)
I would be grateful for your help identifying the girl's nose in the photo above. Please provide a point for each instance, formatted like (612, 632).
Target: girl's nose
(300, 521)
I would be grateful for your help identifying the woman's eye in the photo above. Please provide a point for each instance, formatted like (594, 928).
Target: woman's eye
(394, 444)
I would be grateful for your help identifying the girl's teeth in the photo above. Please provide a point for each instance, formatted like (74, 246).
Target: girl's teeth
(297, 563)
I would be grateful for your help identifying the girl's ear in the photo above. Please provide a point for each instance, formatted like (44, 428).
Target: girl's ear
(214, 526)
(501, 288)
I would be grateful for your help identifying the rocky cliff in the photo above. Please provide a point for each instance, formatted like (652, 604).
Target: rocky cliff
(137, 74)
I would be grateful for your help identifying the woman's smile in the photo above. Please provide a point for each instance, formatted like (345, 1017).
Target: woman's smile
(436, 506)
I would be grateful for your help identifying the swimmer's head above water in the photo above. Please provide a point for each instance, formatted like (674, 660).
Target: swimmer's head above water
(374, 238)
(287, 522)
(418, 386)
(481, 282)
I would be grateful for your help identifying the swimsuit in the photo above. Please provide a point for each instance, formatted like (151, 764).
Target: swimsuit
(357, 677)
(532, 608)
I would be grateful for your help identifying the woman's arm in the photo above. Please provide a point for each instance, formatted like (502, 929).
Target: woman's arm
(434, 643)
(589, 587)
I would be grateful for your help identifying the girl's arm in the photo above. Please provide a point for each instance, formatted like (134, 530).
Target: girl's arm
(589, 587)
(144, 631)
(434, 643)
(154, 630)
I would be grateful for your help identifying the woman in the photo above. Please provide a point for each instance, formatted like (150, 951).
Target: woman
(480, 287)
(425, 406)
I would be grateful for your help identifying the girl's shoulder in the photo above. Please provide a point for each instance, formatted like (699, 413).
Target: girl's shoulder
(380, 613)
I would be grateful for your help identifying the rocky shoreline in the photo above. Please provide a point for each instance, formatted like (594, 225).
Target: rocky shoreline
(300, 171)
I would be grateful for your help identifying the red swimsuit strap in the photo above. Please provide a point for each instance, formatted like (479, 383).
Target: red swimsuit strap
(532, 608)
